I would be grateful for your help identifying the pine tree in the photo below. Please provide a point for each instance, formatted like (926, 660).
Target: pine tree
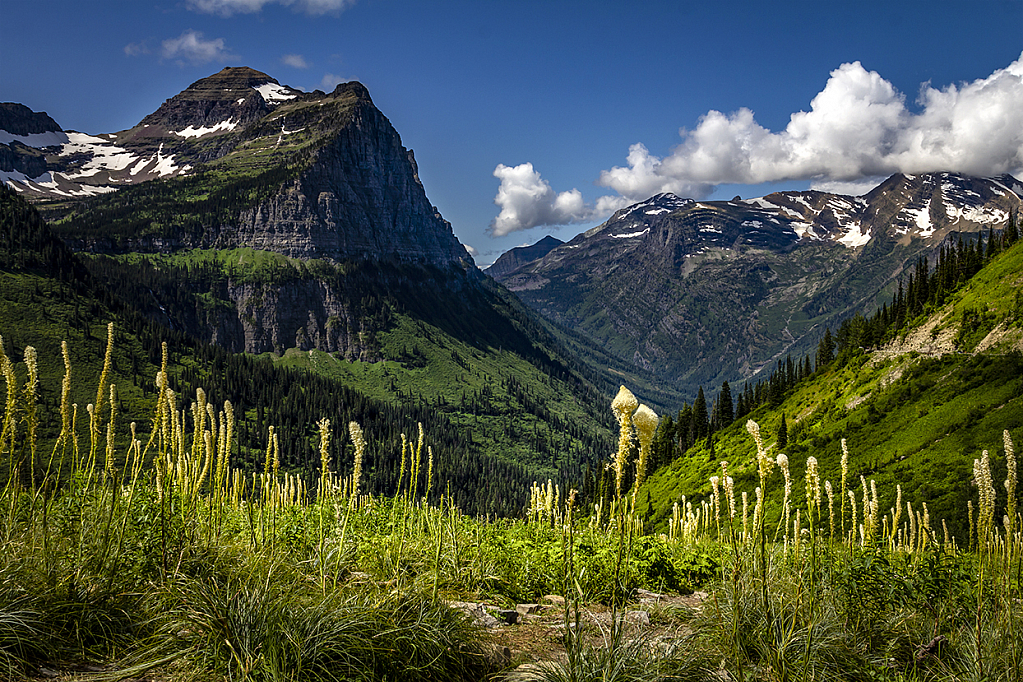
(1011, 232)
(701, 422)
(825, 350)
(783, 433)
(726, 415)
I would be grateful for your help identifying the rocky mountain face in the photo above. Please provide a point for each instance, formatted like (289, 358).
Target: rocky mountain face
(272, 218)
(18, 125)
(270, 168)
(701, 292)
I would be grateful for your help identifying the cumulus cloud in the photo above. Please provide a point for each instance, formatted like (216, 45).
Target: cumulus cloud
(226, 8)
(858, 129)
(527, 200)
(296, 61)
(193, 48)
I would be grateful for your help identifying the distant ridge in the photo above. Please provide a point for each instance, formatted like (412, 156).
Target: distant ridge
(511, 260)
(709, 291)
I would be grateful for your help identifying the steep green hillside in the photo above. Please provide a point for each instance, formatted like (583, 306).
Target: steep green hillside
(915, 413)
(473, 354)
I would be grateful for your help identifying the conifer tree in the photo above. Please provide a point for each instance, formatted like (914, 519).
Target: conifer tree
(726, 414)
(825, 350)
(783, 433)
(701, 422)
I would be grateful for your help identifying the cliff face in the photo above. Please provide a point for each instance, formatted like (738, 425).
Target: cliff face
(360, 199)
(323, 180)
(315, 176)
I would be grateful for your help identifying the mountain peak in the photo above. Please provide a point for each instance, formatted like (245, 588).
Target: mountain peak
(513, 259)
(17, 119)
(235, 95)
(352, 87)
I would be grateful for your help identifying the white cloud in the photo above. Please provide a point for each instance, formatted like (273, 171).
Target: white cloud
(226, 8)
(858, 128)
(527, 200)
(852, 188)
(135, 49)
(331, 81)
(192, 47)
(472, 251)
(295, 61)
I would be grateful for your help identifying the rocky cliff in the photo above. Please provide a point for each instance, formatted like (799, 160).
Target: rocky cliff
(315, 176)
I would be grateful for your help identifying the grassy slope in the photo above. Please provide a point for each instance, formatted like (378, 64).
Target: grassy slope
(909, 421)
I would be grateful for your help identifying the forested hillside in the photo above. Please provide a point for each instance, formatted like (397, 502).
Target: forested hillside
(916, 391)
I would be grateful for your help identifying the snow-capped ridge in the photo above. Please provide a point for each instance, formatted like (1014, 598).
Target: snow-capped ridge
(53, 138)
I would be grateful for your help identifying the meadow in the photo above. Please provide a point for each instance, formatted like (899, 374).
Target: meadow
(132, 547)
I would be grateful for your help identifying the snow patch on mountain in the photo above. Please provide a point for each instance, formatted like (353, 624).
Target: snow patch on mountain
(105, 156)
(53, 138)
(804, 230)
(975, 214)
(630, 234)
(855, 237)
(272, 93)
(199, 132)
(52, 183)
(922, 218)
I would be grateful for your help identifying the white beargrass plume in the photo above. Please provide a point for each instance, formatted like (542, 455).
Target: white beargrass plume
(852, 501)
(729, 485)
(745, 526)
(360, 448)
(324, 426)
(845, 473)
(108, 465)
(896, 514)
(813, 492)
(31, 392)
(986, 498)
(831, 508)
(7, 434)
(623, 405)
(758, 508)
(783, 464)
(645, 421)
(714, 498)
(1010, 485)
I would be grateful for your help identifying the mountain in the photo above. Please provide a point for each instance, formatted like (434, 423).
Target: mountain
(294, 226)
(703, 292)
(512, 259)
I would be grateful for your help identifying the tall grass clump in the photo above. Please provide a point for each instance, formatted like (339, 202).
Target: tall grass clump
(865, 595)
(146, 549)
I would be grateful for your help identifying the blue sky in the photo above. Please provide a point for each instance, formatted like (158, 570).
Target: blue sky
(607, 102)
